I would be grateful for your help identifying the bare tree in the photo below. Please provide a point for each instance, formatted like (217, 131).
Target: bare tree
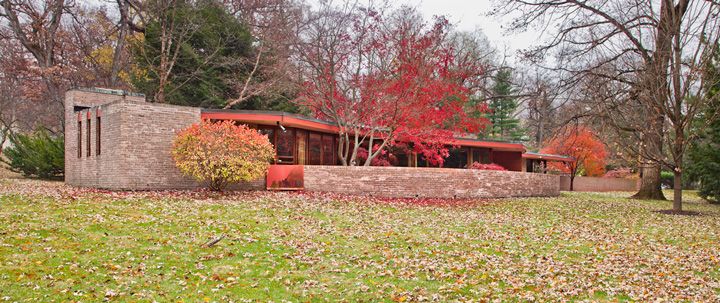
(541, 103)
(50, 46)
(628, 43)
(36, 25)
(274, 25)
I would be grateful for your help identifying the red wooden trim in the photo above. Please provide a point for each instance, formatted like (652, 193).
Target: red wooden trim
(547, 157)
(501, 146)
(273, 119)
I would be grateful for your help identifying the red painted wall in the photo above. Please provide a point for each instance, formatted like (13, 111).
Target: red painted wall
(510, 160)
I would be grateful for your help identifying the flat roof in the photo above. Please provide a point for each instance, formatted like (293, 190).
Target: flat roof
(304, 122)
(548, 157)
(109, 91)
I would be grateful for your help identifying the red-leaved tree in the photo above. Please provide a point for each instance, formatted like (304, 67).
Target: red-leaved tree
(580, 143)
(386, 80)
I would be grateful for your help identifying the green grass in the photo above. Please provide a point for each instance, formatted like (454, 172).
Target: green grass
(60, 244)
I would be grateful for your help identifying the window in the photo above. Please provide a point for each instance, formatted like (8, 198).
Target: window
(481, 155)
(328, 147)
(270, 133)
(456, 159)
(423, 162)
(315, 149)
(89, 144)
(286, 146)
(301, 146)
(79, 139)
(401, 159)
(97, 136)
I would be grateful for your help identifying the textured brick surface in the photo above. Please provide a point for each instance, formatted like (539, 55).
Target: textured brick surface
(429, 182)
(136, 139)
(591, 184)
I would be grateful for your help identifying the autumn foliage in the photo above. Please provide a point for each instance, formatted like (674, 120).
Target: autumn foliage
(222, 153)
(580, 143)
(387, 81)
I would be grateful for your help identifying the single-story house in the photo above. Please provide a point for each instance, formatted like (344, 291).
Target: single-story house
(116, 140)
(307, 141)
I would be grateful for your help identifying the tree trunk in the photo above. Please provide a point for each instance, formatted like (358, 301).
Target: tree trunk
(119, 47)
(652, 148)
(3, 138)
(650, 188)
(677, 186)
(343, 149)
(572, 182)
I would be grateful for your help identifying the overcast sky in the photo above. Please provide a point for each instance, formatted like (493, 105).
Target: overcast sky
(469, 15)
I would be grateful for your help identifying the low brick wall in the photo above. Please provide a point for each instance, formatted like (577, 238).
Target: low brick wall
(429, 182)
(595, 184)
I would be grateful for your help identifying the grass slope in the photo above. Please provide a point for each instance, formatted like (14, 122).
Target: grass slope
(64, 244)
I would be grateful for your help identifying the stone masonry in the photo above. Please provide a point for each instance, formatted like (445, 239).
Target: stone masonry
(598, 184)
(411, 182)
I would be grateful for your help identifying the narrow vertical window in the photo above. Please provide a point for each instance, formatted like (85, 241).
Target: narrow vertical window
(79, 139)
(97, 136)
(328, 150)
(89, 144)
(314, 149)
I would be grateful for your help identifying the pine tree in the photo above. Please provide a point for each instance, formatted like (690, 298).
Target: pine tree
(704, 154)
(502, 107)
(216, 49)
(208, 40)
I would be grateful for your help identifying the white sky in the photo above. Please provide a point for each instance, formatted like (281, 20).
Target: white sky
(468, 15)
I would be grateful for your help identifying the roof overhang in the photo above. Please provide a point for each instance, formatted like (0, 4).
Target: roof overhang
(271, 118)
(547, 157)
(499, 146)
(302, 122)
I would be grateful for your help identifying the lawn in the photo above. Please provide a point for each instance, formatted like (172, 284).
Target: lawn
(64, 244)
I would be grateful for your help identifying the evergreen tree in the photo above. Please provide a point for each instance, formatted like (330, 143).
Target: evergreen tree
(212, 41)
(502, 107)
(216, 50)
(704, 157)
(37, 155)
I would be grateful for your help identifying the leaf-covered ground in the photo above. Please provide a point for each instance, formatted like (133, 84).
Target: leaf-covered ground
(64, 244)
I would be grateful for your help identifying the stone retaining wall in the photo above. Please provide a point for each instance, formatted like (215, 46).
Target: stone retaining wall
(595, 184)
(411, 182)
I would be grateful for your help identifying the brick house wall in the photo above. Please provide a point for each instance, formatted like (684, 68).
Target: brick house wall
(595, 184)
(409, 182)
(135, 142)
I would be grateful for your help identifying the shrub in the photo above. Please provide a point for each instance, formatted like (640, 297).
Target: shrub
(383, 159)
(667, 179)
(491, 166)
(37, 155)
(222, 153)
